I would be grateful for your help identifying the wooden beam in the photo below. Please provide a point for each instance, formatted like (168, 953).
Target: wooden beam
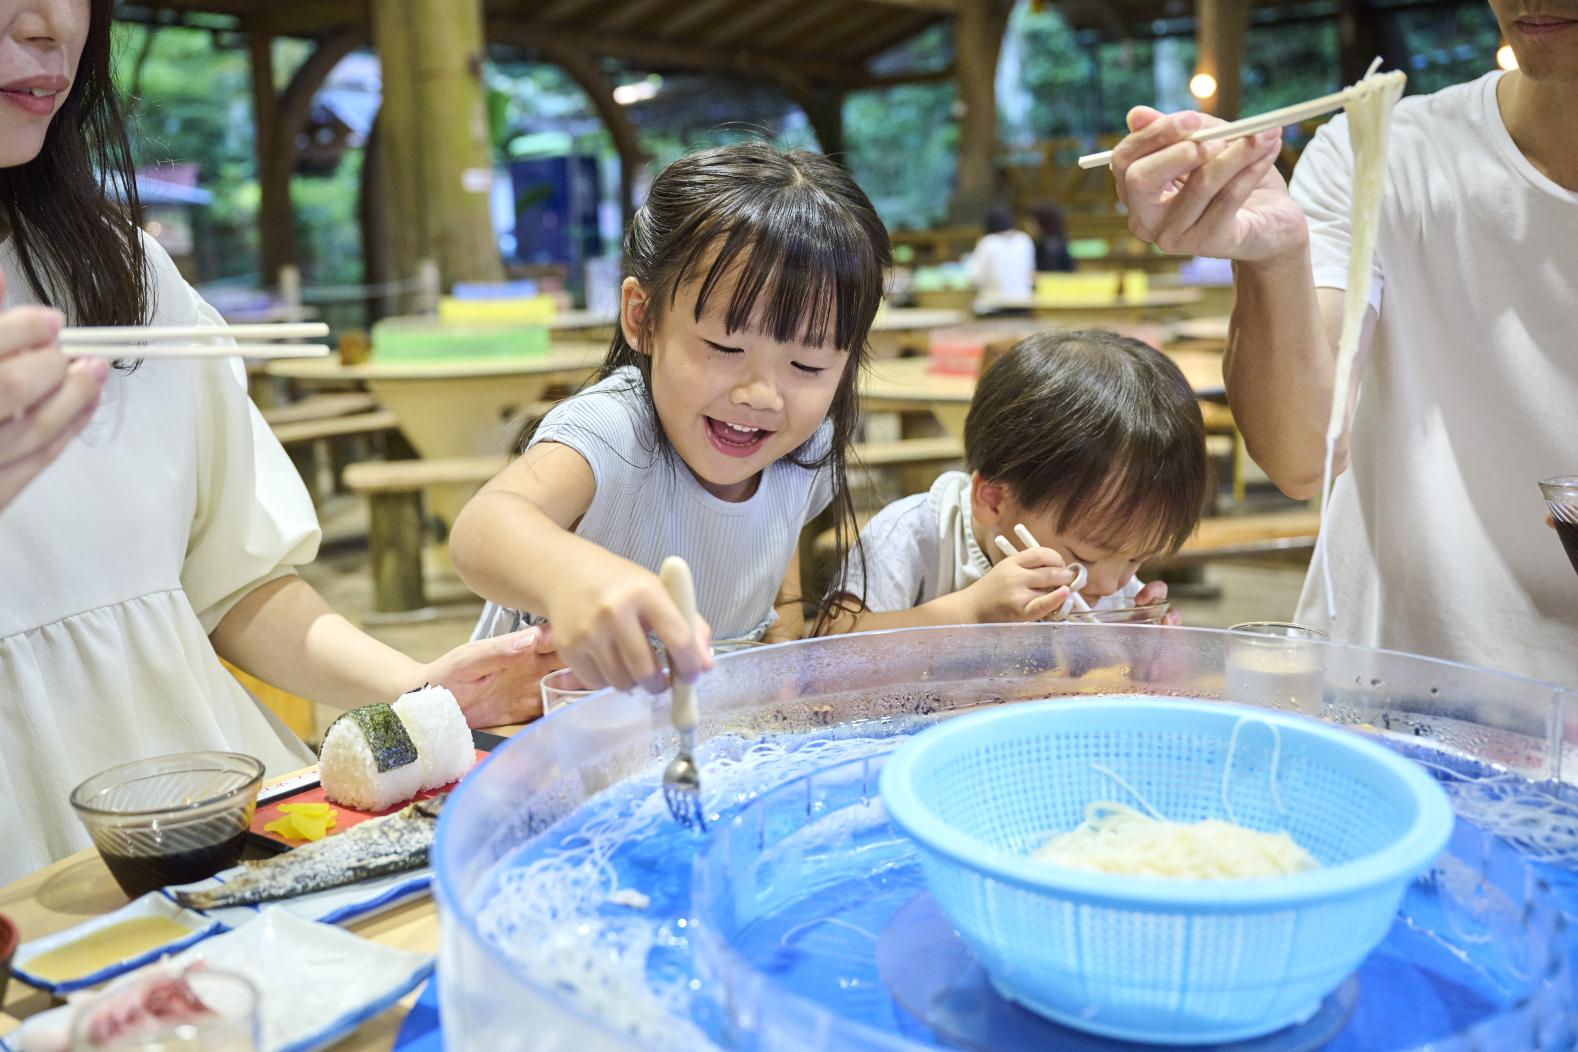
(435, 146)
(824, 108)
(978, 39)
(718, 21)
(841, 35)
(276, 230)
(584, 70)
(893, 80)
(814, 13)
(947, 7)
(664, 54)
(1220, 28)
(628, 15)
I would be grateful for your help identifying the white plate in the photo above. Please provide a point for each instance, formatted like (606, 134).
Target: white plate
(316, 982)
(198, 925)
(334, 906)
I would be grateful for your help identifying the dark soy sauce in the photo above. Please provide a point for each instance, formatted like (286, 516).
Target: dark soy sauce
(1568, 532)
(140, 874)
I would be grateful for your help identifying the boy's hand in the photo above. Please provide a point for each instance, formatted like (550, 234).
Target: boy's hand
(600, 626)
(1156, 592)
(1025, 586)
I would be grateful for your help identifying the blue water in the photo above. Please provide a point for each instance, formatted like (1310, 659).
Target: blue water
(1458, 956)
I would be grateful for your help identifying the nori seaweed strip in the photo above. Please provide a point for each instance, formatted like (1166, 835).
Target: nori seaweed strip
(386, 736)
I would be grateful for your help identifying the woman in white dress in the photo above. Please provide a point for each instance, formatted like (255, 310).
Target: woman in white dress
(149, 521)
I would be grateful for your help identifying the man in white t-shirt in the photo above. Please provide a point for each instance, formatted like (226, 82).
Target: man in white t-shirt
(1469, 362)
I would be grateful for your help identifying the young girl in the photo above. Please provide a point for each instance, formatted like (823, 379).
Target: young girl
(716, 429)
(1093, 442)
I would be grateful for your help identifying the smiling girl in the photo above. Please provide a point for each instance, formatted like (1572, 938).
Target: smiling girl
(716, 430)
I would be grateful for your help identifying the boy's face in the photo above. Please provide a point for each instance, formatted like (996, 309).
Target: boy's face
(730, 403)
(1110, 563)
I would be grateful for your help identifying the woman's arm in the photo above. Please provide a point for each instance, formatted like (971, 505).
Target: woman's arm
(285, 634)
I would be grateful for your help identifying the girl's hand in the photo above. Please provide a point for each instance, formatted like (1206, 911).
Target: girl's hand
(1025, 586)
(600, 624)
(495, 680)
(45, 398)
(1156, 592)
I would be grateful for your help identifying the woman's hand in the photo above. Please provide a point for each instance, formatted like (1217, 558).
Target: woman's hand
(45, 397)
(601, 619)
(495, 680)
(1025, 586)
(1156, 592)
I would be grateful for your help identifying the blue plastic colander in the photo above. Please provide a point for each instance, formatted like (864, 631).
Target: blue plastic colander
(1151, 959)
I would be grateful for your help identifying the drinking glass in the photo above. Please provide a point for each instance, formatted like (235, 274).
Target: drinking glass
(1275, 664)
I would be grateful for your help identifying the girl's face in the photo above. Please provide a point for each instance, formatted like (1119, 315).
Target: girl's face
(40, 45)
(1111, 565)
(730, 403)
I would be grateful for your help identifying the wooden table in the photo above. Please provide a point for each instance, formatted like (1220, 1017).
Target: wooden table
(460, 408)
(1158, 303)
(900, 329)
(906, 385)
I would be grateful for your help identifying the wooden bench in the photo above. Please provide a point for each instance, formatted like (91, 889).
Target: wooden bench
(319, 407)
(315, 445)
(395, 520)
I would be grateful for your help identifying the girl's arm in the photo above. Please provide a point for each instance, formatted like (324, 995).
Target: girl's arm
(284, 633)
(1026, 586)
(791, 614)
(513, 544)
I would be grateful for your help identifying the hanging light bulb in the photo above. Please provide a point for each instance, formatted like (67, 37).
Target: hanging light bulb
(1202, 85)
(1505, 58)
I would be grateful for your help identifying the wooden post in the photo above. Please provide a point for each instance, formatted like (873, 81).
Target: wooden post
(824, 109)
(394, 543)
(978, 39)
(276, 232)
(435, 147)
(1220, 28)
(1363, 32)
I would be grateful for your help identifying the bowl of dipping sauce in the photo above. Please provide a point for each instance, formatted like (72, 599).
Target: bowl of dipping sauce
(170, 819)
(9, 937)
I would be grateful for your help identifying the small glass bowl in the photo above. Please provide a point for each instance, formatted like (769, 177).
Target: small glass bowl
(1150, 614)
(170, 819)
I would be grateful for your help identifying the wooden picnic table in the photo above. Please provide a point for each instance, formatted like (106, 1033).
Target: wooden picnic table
(900, 329)
(466, 407)
(908, 385)
(1158, 303)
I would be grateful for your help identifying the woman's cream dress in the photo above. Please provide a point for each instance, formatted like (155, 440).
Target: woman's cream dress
(116, 563)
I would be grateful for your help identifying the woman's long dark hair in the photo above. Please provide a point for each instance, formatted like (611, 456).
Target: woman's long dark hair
(72, 211)
(808, 255)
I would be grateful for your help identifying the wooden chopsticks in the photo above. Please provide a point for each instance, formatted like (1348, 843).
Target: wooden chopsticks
(182, 341)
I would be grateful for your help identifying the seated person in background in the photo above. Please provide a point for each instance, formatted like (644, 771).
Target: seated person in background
(1003, 263)
(1051, 240)
(1091, 440)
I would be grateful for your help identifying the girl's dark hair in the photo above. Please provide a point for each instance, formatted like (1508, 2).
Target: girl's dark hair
(807, 254)
(73, 211)
(999, 219)
(1049, 218)
(1099, 427)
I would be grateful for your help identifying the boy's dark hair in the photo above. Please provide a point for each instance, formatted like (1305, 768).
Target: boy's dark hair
(808, 255)
(1100, 427)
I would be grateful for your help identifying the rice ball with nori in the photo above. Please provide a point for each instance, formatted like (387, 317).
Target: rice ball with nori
(368, 760)
(444, 748)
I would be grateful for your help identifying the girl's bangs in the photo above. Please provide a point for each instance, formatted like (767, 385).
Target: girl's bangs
(800, 275)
